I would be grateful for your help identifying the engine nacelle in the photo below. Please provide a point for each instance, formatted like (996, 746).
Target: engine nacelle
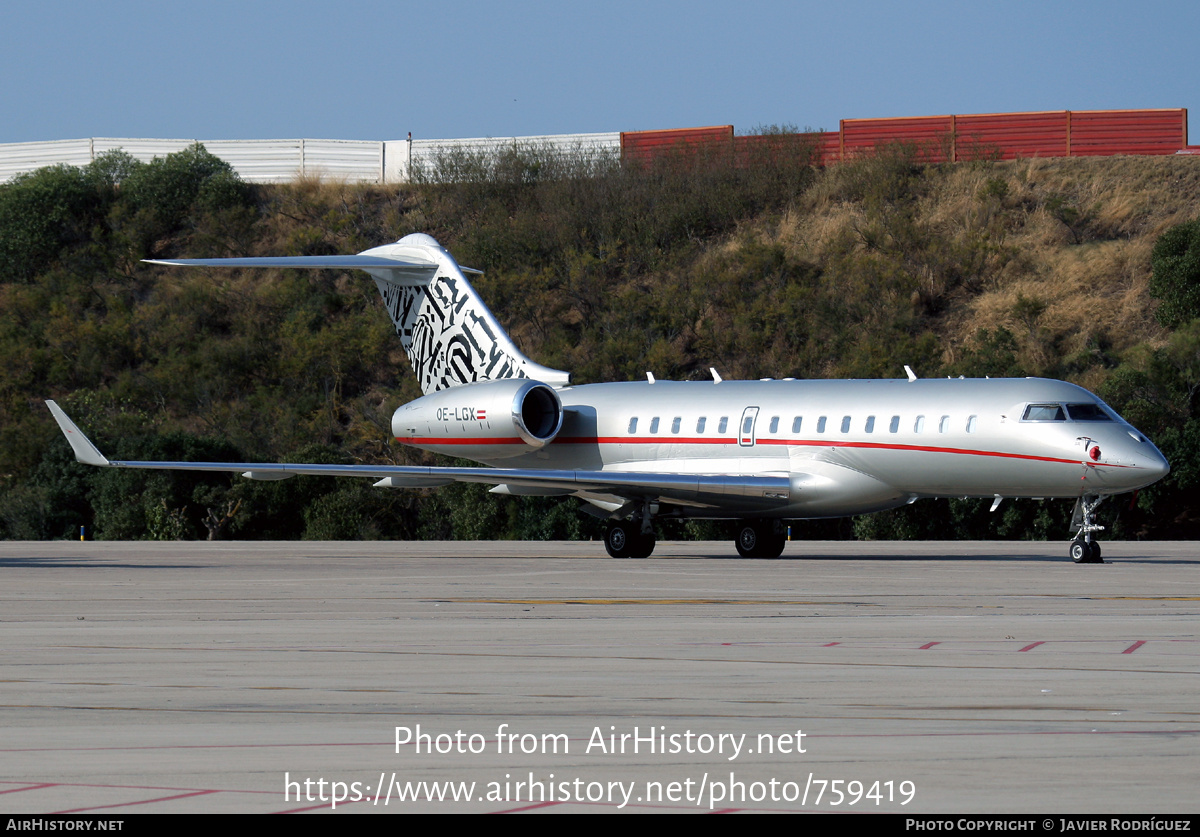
(486, 420)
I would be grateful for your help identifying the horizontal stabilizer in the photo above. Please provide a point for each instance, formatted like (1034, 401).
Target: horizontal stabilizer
(331, 262)
(406, 271)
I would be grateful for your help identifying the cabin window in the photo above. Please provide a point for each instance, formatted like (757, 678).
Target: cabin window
(723, 424)
(774, 428)
(894, 427)
(845, 424)
(870, 424)
(1088, 412)
(747, 425)
(919, 424)
(1044, 412)
(821, 424)
(700, 424)
(633, 425)
(971, 422)
(675, 424)
(654, 425)
(944, 424)
(796, 424)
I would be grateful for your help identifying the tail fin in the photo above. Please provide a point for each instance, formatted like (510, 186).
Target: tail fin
(449, 335)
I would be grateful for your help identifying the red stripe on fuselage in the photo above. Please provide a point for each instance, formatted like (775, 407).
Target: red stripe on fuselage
(693, 440)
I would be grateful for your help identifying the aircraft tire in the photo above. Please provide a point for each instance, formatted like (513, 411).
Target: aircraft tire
(1096, 559)
(772, 546)
(750, 540)
(620, 539)
(760, 539)
(643, 545)
(1081, 552)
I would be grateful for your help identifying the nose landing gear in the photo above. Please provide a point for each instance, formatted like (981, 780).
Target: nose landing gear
(1084, 550)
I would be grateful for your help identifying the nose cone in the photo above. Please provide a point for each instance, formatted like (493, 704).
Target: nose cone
(1147, 464)
(1155, 465)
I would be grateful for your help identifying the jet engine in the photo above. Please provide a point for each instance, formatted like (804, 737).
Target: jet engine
(486, 420)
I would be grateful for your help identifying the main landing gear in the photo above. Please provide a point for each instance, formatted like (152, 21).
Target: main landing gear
(761, 538)
(1084, 550)
(626, 539)
(634, 537)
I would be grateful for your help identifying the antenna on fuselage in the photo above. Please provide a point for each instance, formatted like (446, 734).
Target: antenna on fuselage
(912, 376)
(716, 375)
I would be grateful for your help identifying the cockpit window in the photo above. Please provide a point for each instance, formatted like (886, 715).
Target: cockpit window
(1088, 412)
(1044, 412)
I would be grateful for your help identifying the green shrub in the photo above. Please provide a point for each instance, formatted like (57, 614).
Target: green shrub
(1175, 282)
(41, 213)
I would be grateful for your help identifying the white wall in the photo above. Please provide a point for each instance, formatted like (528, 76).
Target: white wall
(278, 161)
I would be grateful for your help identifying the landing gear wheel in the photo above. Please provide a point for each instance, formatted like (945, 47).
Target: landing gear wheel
(1081, 552)
(760, 539)
(643, 545)
(1096, 559)
(625, 539)
(619, 539)
(772, 546)
(748, 538)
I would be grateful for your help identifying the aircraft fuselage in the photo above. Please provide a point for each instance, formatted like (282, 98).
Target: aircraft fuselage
(847, 446)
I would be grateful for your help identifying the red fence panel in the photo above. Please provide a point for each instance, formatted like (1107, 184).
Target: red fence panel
(1006, 136)
(815, 148)
(646, 145)
(930, 134)
(1103, 132)
(936, 139)
(830, 143)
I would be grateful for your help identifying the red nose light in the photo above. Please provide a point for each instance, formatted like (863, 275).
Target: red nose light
(1094, 453)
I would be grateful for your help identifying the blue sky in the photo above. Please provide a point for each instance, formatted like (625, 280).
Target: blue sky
(367, 69)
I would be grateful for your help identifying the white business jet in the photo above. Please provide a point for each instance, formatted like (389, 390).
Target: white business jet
(759, 452)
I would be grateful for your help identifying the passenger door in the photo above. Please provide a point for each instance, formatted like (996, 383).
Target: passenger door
(746, 428)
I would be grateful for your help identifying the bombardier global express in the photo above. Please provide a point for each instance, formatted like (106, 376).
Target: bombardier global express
(759, 452)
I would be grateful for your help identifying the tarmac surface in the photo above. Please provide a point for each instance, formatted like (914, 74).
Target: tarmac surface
(846, 677)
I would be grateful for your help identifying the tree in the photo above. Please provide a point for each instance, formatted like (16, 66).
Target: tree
(1175, 281)
(159, 197)
(40, 214)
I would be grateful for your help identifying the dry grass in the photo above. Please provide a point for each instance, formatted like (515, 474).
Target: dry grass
(1097, 287)
(1070, 237)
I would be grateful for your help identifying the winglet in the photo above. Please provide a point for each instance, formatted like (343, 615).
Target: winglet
(85, 451)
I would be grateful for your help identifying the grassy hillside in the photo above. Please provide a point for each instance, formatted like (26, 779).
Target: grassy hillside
(1033, 267)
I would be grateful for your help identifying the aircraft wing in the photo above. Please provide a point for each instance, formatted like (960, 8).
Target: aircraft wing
(752, 492)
